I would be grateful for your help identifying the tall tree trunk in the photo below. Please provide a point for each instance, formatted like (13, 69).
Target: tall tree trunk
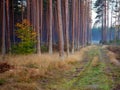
(77, 25)
(8, 27)
(47, 26)
(22, 13)
(34, 10)
(41, 19)
(12, 22)
(89, 22)
(33, 13)
(111, 24)
(3, 29)
(73, 26)
(79, 18)
(107, 19)
(61, 41)
(28, 10)
(83, 24)
(85, 20)
(38, 27)
(105, 23)
(50, 27)
(67, 25)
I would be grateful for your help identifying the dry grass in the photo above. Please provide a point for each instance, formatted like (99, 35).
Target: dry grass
(45, 61)
(112, 57)
(20, 86)
(28, 68)
(95, 61)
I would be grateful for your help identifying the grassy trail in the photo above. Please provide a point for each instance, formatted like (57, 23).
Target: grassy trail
(93, 77)
(91, 74)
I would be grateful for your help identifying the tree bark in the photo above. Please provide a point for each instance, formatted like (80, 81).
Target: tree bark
(28, 10)
(8, 27)
(38, 27)
(73, 26)
(3, 29)
(50, 27)
(67, 25)
(61, 41)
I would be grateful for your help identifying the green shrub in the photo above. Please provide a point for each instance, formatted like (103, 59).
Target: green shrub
(27, 39)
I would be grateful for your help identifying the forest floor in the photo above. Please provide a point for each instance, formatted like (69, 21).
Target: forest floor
(98, 68)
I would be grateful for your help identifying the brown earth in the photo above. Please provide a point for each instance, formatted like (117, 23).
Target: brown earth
(4, 66)
(115, 50)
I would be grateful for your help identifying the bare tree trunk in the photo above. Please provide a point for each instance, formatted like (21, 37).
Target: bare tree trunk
(33, 13)
(79, 27)
(28, 10)
(34, 10)
(111, 24)
(3, 29)
(12, 22)
(22, 13)
(47, 25)
(90, 22)
(77, 24)
(50, 27)
(41, 19)
(86, 15)
(67, 25)
(37, 27)
(8, 27)
(107, 19)
(105, 23)
(83, 24)
(73, 26)
(61, 41)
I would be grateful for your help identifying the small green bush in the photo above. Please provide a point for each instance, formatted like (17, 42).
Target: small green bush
(27, 39)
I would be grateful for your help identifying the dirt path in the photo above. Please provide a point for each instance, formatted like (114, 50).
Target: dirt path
(94, 73)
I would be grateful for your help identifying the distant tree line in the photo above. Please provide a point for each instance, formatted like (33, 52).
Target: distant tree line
(108, 16)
